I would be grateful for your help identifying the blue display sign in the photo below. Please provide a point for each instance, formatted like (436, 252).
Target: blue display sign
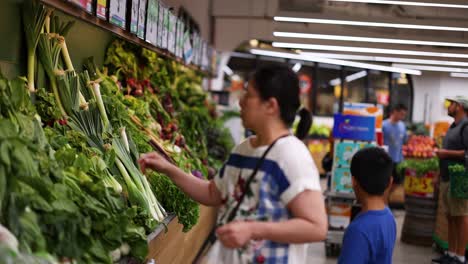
(354, 127)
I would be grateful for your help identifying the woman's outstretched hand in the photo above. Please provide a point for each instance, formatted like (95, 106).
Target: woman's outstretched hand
(154, 161)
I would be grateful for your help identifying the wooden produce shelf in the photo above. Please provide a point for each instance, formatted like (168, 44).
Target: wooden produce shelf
(81, 14)
(176, 247)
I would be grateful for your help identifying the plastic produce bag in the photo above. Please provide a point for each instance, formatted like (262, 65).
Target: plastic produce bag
(458, 181)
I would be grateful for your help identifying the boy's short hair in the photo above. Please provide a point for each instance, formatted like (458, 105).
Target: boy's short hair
(372, 168)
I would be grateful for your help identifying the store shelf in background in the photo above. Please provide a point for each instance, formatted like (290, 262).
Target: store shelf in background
(174, 246)
(77, 12)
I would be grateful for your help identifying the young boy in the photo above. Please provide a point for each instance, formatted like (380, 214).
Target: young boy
(370, 238)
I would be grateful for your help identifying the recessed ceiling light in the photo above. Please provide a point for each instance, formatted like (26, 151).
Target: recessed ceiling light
(367, 50)
(303, 57)
(408, 3)
(365, 23)
(367, 39)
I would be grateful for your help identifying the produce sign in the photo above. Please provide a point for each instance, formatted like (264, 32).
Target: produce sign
(363, 109)
(419, 176)
(421, 186)
(354, 127)
(419, 147)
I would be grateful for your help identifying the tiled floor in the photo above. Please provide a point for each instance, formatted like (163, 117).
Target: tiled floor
(403, 253)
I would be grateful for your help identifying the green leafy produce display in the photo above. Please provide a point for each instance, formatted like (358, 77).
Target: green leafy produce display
(176, 102)
(70, 186)
(54, 197)
(458, 181)
(418, 129)
(421, 166)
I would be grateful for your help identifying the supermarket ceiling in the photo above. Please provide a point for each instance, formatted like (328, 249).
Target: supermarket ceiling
(415, 29)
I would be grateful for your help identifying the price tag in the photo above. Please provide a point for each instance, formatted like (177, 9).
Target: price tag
(134, 17)
(160, 25)
(188, 51)
(419, 186)
(101, 10)
(152, 22)
(165, 31)
(117, 11)
(172, 33)
(141, 18)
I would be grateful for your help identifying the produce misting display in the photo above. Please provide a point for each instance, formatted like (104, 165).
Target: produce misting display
(71, 189)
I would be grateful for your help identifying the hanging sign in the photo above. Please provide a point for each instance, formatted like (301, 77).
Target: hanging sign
(354, 127)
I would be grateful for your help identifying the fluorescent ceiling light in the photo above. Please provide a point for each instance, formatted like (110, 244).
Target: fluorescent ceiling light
(297, 67)
(386, 2)
(349, 78)
(430, 68)
(366, 39)
(367, 50)
(303, 57)
(459, 75)
(365, 23)
(387, 59)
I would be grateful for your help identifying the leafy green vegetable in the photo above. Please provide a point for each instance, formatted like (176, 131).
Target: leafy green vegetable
(458, 181)
(420, 166)
(57, 199)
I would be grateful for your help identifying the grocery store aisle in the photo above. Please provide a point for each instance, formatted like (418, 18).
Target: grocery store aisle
(403, 253)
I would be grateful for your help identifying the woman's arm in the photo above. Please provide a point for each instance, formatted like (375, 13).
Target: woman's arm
(202, 191)
(309, 224)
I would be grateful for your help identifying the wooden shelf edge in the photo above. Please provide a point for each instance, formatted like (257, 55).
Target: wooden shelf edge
(178, 247)
(161, 227)
(79, 13)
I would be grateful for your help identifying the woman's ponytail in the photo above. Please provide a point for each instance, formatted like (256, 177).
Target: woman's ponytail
(304, 124)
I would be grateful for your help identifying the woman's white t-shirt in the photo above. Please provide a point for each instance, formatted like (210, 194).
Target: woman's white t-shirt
(287, 170)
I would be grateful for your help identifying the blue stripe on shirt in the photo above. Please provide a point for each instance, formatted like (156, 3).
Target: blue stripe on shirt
(269, 166)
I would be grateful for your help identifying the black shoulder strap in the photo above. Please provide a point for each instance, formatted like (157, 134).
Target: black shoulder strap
(212, 236)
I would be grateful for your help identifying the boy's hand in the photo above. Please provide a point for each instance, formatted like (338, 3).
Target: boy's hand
(235, 234)
(154, 161)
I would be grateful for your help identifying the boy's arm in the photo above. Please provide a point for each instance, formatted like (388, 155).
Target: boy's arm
(355, 248)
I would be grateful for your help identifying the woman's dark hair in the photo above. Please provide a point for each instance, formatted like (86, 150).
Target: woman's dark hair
(280, 82)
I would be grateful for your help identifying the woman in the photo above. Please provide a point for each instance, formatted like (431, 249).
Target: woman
(270, 217)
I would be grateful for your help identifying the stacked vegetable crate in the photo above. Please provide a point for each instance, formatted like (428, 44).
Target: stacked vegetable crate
(420, 200)
(71, 187)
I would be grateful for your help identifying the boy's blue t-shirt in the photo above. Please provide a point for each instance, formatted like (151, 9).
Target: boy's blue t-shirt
(369, 239)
